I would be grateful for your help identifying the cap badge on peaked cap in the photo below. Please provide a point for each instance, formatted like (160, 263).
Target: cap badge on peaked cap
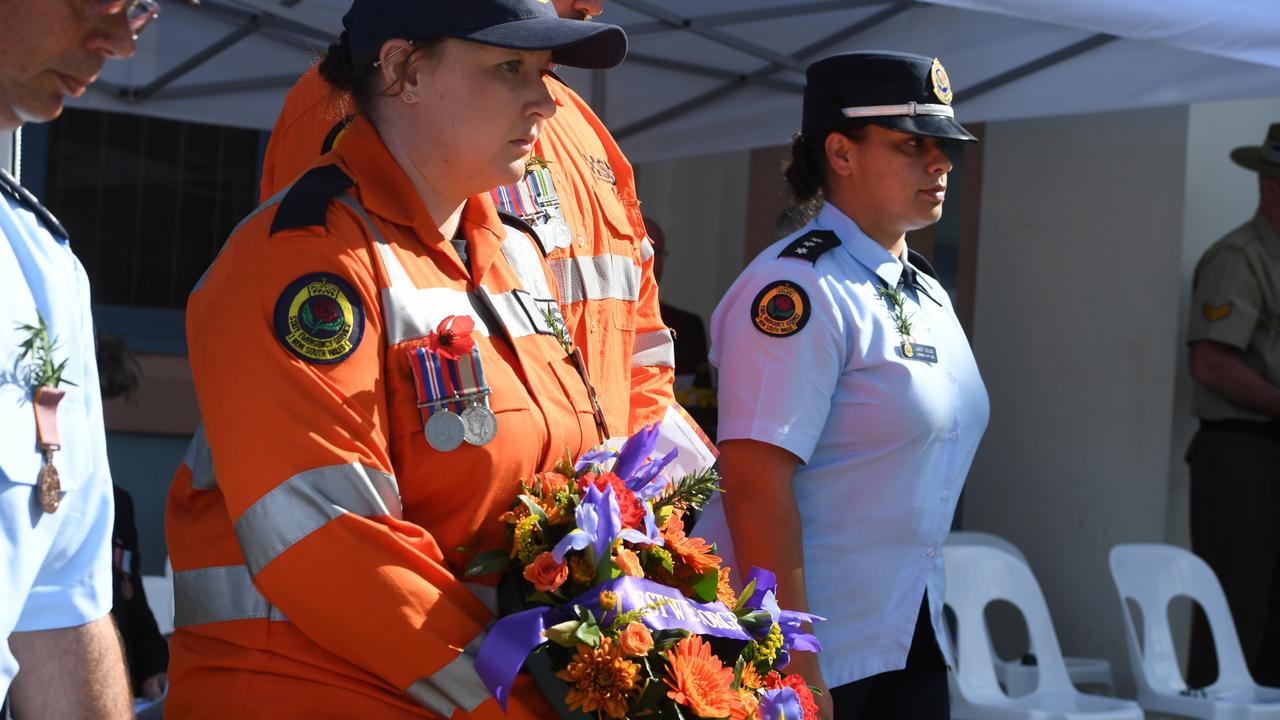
(941, 82)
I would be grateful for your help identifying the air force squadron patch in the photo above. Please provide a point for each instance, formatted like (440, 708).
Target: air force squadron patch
(320, 318)
(781, 309)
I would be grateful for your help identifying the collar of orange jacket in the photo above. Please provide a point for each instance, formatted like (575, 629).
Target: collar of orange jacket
(386, 191)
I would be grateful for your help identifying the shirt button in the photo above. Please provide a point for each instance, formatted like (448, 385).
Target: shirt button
(930, 552)
(581, 241)
(951, 376)
(945, 494)
(954, 435)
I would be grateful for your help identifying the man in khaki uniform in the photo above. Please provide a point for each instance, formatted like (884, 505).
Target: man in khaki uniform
(1235, 457)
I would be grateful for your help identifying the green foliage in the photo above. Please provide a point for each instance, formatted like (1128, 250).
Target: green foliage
(488, 562)
(692, 491)
(898, 310)
(39, 348)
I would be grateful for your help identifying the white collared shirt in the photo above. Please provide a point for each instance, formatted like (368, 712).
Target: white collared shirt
(886, 440)
(55, 568)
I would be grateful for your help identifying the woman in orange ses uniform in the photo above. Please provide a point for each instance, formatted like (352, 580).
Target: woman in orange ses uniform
(376, 358)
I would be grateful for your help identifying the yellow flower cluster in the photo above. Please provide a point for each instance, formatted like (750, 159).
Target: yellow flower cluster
(764, 653)
(528, 539)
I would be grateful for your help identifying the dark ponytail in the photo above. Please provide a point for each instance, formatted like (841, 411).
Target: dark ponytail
(806, 170)
(806, 173)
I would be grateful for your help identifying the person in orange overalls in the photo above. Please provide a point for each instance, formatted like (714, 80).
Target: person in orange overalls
(377, 365)
(580, 197)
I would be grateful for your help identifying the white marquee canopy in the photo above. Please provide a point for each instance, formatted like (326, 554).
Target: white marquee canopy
(714, 75)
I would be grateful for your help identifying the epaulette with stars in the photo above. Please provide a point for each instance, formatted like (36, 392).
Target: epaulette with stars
(811, 245)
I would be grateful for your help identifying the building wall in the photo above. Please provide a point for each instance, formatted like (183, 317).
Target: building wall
(1076, 325)
(702, 204)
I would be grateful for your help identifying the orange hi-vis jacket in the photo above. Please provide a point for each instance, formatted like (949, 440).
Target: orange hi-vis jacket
(318, 541)
(603, 264)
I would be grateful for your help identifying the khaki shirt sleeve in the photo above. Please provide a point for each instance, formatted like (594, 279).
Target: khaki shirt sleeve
(1226, 298)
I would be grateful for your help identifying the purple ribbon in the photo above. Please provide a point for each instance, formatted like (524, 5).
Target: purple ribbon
(512, 638)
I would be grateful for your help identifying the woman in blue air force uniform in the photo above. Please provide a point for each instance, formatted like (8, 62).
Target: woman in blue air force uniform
(850, 402)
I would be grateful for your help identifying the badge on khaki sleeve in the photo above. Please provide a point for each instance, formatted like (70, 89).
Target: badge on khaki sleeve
(1216, 312)
(320, 318)
(781, 309)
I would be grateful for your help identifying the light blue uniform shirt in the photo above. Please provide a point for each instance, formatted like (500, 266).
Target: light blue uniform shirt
(886, 440)
(55, 569)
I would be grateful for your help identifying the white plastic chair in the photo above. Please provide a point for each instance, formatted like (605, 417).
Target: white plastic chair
(1151, 576)
(1019, 679)
(977, 576)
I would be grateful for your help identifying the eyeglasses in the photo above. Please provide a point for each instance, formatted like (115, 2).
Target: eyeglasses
(138, 13)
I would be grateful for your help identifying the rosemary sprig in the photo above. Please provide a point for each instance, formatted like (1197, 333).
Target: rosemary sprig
(898, 310)
(557, 326)
(692, 491)
(39, 347)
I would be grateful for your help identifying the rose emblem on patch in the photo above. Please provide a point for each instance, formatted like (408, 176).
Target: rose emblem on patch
(320, 318)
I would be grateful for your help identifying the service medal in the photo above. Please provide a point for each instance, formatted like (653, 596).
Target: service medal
(481, 425)
(445, 431)
(50, 487)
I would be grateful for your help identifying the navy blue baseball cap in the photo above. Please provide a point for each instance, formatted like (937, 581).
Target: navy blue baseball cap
(515, 24)
(900, 91)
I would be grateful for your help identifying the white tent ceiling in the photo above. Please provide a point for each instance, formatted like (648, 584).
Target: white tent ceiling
(713, 75)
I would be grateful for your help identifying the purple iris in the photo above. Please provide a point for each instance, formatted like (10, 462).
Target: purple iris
(635, 452)
(789, 621)
(597, 521)
(780, 704)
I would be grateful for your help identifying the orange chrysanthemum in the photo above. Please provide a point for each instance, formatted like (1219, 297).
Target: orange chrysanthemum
(699, 680)
(601, 680)
(694, 552)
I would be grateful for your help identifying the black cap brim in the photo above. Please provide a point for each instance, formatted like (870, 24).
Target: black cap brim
(575, 43)
(938, 126)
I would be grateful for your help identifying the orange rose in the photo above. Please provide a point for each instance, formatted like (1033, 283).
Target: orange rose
(635, 640)
(545, 573)
(628, 562)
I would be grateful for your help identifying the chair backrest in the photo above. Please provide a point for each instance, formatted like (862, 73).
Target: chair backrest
(977, 575)
(1152, 575)
(973, 537)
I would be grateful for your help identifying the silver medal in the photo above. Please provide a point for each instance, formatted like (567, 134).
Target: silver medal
(558, 233)
(445, 431)
(481, 424)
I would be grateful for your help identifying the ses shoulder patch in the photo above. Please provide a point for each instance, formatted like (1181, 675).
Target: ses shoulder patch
(811, 246)
(781, 309)
(320, 318)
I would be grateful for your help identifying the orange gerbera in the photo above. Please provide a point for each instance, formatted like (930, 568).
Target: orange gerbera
(694, 552)
(699, 680)
(601, 680)
(724, 591)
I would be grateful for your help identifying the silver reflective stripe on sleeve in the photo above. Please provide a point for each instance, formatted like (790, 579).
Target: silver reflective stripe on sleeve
(306, 502)
(200, 460)
(654, 349)
(602, 277)
(487, 594)
(646, 250)
(456, 683)
(218, 594)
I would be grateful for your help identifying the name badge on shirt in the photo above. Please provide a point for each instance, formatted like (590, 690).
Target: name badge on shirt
(910, 350)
